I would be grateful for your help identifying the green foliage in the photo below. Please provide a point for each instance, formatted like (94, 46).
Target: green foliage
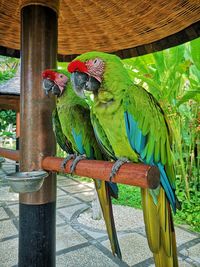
(173, 77)
(6, 75)
(128, 196)
(190, 210)
(60, 152)
(8, 68)
(7, 117)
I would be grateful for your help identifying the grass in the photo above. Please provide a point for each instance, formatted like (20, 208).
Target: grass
(128, 196)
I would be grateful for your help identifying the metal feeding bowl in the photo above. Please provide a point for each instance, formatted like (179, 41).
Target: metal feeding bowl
(26, 182)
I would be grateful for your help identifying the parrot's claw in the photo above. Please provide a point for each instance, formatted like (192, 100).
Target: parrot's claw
(75, 162)
(69, 157)
(117, 165)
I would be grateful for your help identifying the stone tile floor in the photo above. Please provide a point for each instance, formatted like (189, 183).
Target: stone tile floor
(83, 245)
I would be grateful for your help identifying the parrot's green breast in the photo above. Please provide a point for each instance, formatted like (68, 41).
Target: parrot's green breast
(66, 119)
(116, 130)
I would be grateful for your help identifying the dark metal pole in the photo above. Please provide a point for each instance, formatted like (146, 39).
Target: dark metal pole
(17, 136)
(37, 210)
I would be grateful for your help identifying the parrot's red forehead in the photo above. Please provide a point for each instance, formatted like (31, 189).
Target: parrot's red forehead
(48, 74)
(77, 65)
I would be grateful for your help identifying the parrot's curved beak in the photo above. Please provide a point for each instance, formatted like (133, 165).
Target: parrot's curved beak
(51, 86)
(83, 82)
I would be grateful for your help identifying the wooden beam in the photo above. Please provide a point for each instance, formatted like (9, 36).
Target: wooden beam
(136, 174)
(10, 102)
(9, 154)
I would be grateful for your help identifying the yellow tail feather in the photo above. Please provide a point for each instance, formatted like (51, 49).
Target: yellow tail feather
(160, 229)
(106, 206)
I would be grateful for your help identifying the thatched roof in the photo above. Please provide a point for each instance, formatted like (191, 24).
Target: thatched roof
(127, 28)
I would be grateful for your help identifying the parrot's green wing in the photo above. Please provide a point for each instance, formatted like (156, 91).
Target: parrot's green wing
(151, 121)
(79, 131)
(149, 136)
(61, 139)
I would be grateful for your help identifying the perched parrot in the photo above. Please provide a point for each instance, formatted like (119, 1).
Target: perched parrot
(74, 134)
(130, 125)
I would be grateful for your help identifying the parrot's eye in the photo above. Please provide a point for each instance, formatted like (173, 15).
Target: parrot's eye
(61, 76)
(96, 61)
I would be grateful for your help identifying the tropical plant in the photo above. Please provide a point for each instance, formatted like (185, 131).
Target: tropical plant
(8, 68)
(6, 117)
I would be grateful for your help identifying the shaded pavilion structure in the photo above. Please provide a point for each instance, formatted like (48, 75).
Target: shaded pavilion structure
(40, 32)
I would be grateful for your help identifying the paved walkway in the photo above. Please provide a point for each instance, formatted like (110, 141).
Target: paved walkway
(81, 244)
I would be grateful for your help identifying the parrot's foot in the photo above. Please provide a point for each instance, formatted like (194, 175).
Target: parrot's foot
(69, 157)
(117, 165)
(75, 162)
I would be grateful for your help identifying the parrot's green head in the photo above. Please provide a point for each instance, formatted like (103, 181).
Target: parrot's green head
(55, 81)
(100, 73)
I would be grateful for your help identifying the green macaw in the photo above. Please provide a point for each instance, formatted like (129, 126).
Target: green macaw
(74, 134)
(130, 125)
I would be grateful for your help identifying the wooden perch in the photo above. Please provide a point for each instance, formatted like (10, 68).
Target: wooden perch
(9, 154)
(136, 174)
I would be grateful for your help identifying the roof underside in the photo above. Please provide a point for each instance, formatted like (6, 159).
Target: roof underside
(127, 28)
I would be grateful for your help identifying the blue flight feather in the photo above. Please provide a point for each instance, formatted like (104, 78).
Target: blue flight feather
(168, 188)
(78, 141)
(114, 189)
(135, 136)
(138, 142)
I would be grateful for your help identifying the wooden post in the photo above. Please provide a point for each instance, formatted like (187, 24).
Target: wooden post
(37, 210)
